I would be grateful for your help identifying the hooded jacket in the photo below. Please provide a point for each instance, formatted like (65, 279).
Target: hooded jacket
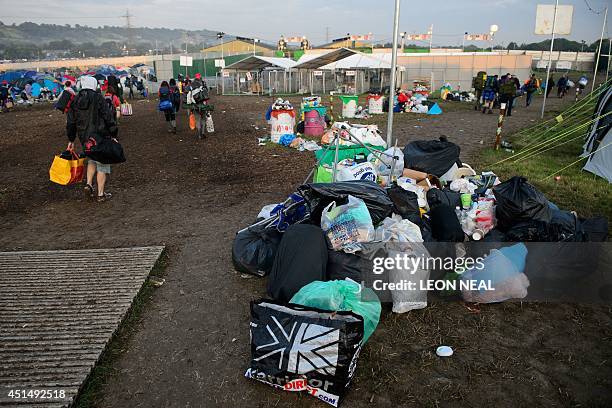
(90, 116)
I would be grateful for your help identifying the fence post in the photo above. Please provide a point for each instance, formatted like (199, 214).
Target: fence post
(331, 107)
(500, 123)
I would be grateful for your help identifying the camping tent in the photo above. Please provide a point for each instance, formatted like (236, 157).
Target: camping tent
(598, 146)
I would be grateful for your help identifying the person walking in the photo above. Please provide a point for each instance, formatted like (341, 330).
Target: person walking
(507, 92)
(89, 116)
(4, 95)
(488, 95)
(530, 88)
(550, 84)
(167, 105)
(562, 86)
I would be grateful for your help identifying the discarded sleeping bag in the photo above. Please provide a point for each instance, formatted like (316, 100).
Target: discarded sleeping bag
(431, 156)
(254, 250)
(445, 226)
(519, 201)
(301, 258)
(342, 295)
(298, 348)
(406, 203)
(319, 195)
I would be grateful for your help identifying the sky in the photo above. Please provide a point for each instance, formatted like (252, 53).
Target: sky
(317, 19)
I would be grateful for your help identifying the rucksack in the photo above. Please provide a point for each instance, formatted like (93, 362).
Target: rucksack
(200, 94)
(508, 88)
(479, 80)
(64, 101)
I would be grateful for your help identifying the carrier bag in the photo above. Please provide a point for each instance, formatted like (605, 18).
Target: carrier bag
(298, 348)
(126, 109)
(103, 150)
(347, 224)
(67, 168)
(192, 121)
(64, 101)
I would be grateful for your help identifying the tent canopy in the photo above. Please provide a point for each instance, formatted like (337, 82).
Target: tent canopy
(324, 59)
(598, 146)
(358, 61)
(256, 63)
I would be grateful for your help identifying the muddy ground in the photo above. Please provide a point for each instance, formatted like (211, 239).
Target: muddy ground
(190, 345)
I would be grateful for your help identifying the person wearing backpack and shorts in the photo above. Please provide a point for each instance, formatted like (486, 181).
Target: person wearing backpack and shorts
(167, 105)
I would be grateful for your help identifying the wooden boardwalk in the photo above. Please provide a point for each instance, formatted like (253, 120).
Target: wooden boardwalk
(58, 311)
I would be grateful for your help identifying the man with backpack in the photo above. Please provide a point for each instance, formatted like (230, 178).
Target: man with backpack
(530, 88)
(507, 92)
(89, 117)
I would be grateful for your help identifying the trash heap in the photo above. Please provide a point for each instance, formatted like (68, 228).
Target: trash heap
(318, 250)
(447, 93)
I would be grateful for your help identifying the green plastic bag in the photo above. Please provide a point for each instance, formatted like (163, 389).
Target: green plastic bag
(342, 295)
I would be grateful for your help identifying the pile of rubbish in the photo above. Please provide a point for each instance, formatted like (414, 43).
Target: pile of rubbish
(319, 250)
(447, 93)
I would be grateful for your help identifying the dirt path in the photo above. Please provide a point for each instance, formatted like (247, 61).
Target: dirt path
(190, 346)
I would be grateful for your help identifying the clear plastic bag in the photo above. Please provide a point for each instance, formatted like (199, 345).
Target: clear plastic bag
(347, 224)
(396, 229)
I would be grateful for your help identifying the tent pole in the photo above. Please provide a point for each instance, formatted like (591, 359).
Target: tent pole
(609, 57)
(393, 68)
(552, 42)
(603, 27)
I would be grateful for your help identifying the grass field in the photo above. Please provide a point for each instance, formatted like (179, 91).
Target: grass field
(570, 188)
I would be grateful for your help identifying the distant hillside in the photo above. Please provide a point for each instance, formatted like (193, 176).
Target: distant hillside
(45, 33)
(34, 41)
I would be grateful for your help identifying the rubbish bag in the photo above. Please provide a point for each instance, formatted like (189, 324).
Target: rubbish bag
(445, 225)
(499, 279)
(406, 203)
(384, 163)
(254, 250)
(298, 348)
(319, 195)
(341, 265)
(519, 201)
(408, 298)
(431, 156)
(398, 230)
(343, 295)
(436, 196)
(347, 224)
(301, 258)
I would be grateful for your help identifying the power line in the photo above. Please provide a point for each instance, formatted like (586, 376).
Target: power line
(591, 9)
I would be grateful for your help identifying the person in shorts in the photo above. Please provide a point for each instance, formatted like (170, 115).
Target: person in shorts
(89, 116)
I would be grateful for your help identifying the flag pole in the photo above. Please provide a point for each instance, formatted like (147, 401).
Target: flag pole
(393, 69)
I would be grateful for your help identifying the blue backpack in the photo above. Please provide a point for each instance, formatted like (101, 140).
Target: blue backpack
(165, 105)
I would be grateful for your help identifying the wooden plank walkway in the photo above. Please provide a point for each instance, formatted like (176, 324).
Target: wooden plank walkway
(58, 311)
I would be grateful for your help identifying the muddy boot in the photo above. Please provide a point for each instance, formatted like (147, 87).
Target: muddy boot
(484, 109)
(490, 111)
(173, 123)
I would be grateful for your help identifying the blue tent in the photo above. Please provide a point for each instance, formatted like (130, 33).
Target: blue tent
(36, 89)
(11, 76)
(30, 74)
(434, 110)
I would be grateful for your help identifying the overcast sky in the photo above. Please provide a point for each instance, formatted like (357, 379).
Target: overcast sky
(267, 20)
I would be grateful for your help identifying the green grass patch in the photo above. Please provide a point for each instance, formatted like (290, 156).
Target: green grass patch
(571, 189)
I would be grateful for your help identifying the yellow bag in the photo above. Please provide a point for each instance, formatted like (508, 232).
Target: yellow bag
(65, 171)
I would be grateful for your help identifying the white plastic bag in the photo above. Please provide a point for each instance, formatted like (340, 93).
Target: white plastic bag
(384, 162)
(408, 299)
(397, 229)
(210, 126)
(410, 185)
(362, 171)
(463, 186)
(347, 224)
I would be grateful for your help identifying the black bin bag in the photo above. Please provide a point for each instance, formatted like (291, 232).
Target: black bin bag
(406, 203)
(319, 195)
(301, 258)
(431, 156)
(518, 201)
(298, 348)
(254, 250)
